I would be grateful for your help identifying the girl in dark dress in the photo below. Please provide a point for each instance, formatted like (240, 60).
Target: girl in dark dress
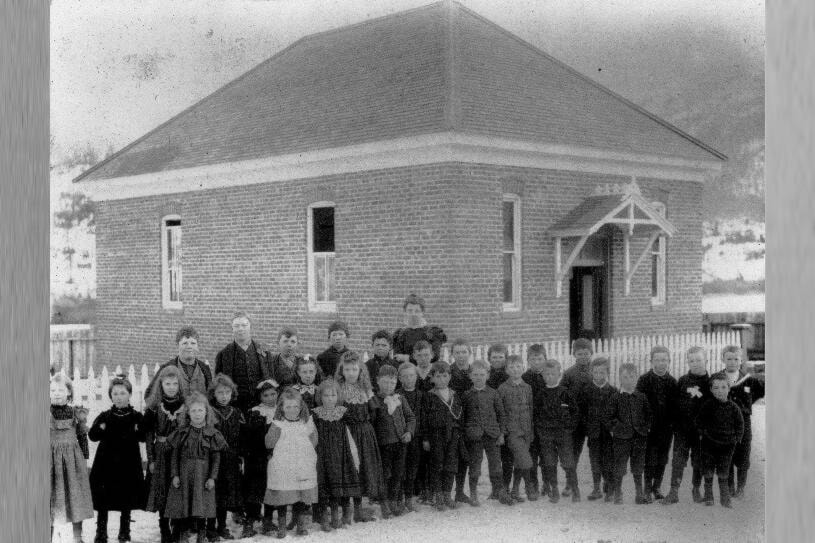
(256, 458)
(355, 386)
(70, 489)
(337, 458)
(229, 421)
(196, 456)
(165, 405)
(117, 481)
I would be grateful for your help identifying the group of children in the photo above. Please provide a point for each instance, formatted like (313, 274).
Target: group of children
(394, 433)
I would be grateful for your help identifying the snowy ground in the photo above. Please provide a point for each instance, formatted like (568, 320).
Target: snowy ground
(542, 521)
(735, 249)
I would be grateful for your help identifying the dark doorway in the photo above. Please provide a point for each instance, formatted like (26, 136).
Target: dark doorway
(587, 302)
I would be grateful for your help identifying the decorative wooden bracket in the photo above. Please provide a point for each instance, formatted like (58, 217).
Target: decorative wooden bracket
(629, 271)
(562, 270)
(620, 205)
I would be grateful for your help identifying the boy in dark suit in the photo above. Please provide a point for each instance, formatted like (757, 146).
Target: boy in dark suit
(414, 455)
(395, 426)
(628, 420)
(555, 414)
(721, 426)
(535, 357)
(593, 411)
(745, 390)
(483, 430)
(381, 351)
(693, 391)
(660, 387)
(575, 379)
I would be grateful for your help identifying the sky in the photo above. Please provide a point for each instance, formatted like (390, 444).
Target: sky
(120, 68)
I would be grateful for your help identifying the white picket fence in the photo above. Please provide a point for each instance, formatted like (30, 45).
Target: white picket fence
(92, 389)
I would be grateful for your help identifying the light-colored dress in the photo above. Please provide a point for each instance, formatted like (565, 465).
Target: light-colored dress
(70, 486)
(291, 475)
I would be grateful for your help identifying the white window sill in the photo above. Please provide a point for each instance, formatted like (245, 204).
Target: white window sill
(172, 306)
(510, 308)
(323, 307)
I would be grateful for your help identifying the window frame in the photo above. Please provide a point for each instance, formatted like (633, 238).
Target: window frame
(166, 302)
(313, 304)
(661, 253)
(515, 304)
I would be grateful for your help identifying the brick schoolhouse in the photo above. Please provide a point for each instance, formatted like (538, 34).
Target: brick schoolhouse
(428, 151)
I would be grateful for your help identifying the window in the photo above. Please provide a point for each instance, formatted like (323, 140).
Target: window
(171, 262)
(511, 252)
(658, 263)
(320, 249)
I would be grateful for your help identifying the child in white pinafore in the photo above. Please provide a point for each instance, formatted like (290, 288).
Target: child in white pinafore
(292, 470)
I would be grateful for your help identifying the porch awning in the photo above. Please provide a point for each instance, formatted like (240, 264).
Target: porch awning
(619, 205)
(626, 209)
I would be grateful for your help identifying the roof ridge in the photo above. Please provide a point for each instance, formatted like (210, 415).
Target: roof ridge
(184, 111)
(366, 22)
(595, 84)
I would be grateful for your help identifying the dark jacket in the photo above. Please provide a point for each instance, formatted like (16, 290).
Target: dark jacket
(531, 378)
(176, 362)
(459, 379)
(593, 404)
(661, 392)
(629, 415)
(440, 418)
(284, 375)
(517, 400)
(746, 391)
(373, 364)
(483, 414)
(497, 377)
(391, 427)
(328, 360)
(415, 399)
(692, 391)
(225, 362)
(554, 410)
(576, 378)
(720, 422)
(425, 384)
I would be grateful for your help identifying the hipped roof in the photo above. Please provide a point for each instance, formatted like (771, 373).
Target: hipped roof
(434, 69)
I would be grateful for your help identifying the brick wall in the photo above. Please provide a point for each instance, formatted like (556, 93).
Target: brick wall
(434, 230)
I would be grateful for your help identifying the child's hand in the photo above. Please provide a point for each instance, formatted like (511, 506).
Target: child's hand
(176, 482)
(402, 357)
(102, 426)
(210, 484)
(406, 437)
(426, 445)
(151, 467)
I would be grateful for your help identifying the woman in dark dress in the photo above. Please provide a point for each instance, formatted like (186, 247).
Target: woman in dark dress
(117, 481)
(416, 329)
